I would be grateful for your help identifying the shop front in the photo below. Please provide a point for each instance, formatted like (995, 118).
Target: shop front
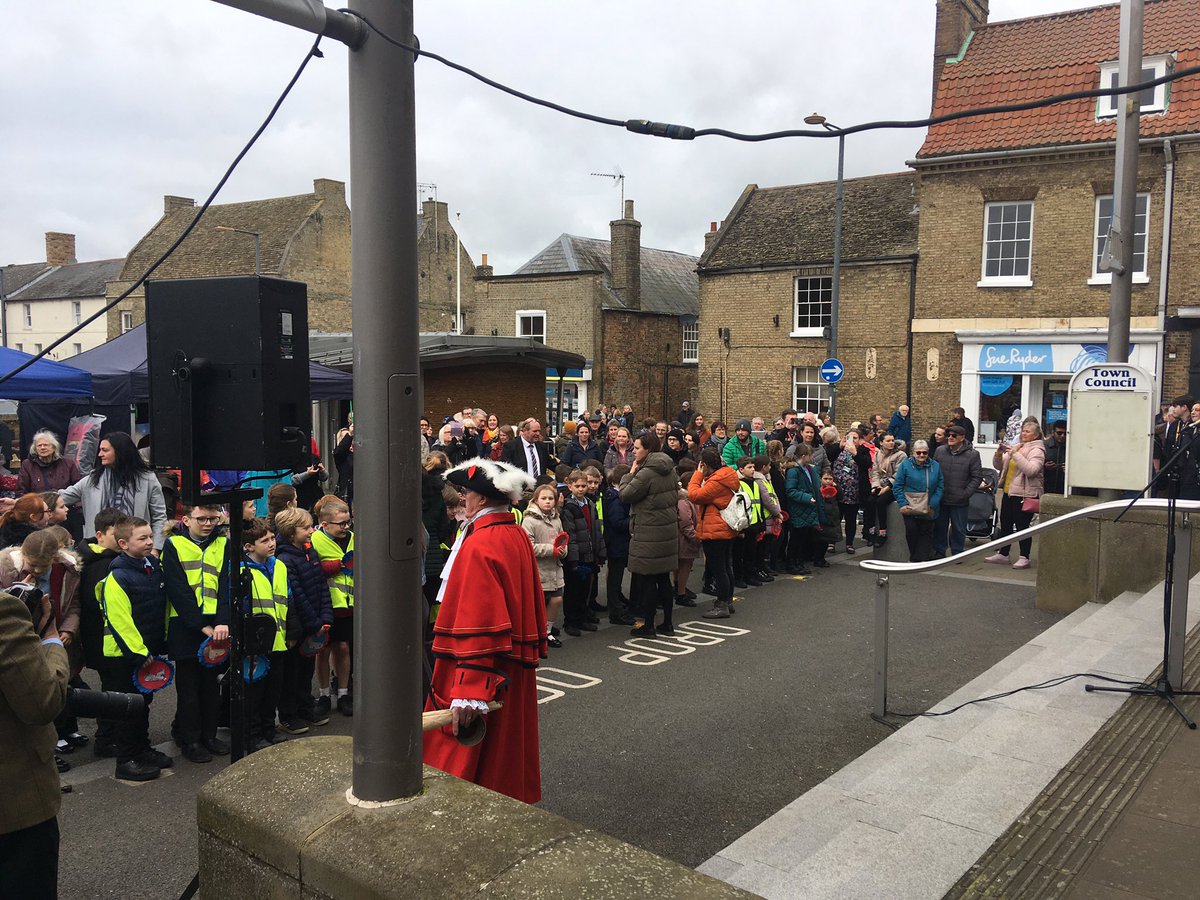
(1003, 374)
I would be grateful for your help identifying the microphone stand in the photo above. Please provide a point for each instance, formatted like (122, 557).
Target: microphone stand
(1170, 470)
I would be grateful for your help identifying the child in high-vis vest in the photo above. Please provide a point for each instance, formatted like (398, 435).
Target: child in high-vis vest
(745, 545)
(269, 597)
(134, 606)
(97, 556)
(334, 543)
(197, 585)
(773, 513)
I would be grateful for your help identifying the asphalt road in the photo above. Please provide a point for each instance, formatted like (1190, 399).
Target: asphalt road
(678, 746)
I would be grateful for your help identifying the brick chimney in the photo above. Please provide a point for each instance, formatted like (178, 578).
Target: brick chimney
(955, 20)
(60, 248)
(483, 270)
(626, 257)
(171, 203)
(710, 235)
(435, 211)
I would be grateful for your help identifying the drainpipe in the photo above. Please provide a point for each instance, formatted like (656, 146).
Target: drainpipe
(1164, 266)
(912, 312)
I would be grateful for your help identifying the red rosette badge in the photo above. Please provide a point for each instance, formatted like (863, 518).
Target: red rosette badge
(560, 542)
(212, 655)
(154, 676)
(314, 643)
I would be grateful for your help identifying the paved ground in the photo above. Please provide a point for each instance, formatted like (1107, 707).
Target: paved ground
(676, 746)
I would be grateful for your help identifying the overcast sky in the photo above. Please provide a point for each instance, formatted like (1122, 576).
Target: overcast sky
(110, 104)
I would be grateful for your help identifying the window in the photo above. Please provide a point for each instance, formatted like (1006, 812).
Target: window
(76, 349)
(1151, 99)
(1141, 218)
(1007, 244)
(21, 347)
(27, 310)
(810, 393)
(813, 306)
(76, 312)
(532, 323)
(126, 322)
(691, 342)
(37, 348)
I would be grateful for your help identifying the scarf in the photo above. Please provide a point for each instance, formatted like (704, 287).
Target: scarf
(114, 495)
(458, 542)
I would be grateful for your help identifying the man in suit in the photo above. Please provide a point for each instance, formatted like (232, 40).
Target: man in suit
(528, 452)
(33, 690)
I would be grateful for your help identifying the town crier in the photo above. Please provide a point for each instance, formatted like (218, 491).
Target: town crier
(488, 638)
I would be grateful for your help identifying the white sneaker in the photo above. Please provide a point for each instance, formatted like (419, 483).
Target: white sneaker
(1021, 563)
(996, 558)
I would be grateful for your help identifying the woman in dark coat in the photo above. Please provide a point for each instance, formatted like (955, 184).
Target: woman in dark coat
(651, 490)
(45, 469)
(436, 520)
(581, 448)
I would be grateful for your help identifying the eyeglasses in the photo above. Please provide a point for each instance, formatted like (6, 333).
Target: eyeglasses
(920, 453)
(206, 520)
(342, 524)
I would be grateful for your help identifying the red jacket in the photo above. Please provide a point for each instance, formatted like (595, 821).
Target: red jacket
(711, 495)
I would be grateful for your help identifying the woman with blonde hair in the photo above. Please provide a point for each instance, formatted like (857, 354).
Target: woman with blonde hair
(1022, 475)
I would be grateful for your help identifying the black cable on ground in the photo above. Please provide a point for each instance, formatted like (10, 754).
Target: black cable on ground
(313, 51)
(1049, 683)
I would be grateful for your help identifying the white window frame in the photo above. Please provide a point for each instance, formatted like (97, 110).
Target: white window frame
(1140, 276)
(1152, 67)
(21, 347)
(691, 342)
(27, 314)
(814, 389)
(986, 280)
(37, 348)
(529, 314)
(76, 349)
(76, 312)
(825, 289)
(126, 321)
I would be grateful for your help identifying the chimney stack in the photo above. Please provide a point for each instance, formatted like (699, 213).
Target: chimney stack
(171, 203)
(625, 254)
(60, 248)
(330, 189)
(710, 235)
(955, 20)
(483, 270)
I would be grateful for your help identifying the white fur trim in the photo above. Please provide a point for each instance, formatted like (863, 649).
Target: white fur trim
(505, 477)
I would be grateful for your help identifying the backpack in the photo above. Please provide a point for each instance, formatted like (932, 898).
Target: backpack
(737, 514)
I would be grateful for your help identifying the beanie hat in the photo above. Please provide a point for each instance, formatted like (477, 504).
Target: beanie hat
(743, 425)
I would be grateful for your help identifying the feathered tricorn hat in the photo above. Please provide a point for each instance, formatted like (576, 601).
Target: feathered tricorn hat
(495, 480)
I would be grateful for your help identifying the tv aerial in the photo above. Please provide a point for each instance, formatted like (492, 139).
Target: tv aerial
(618, 178)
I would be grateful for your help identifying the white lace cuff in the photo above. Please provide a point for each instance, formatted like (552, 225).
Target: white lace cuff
(479, 706)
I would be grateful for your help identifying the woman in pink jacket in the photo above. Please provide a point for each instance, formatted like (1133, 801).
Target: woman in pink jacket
(1021, 475)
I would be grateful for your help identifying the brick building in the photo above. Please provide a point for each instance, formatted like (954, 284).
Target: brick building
(302, 238)
(630, 311)
(1014, 208)
(42, 301)
(438, 287)
(765, 299)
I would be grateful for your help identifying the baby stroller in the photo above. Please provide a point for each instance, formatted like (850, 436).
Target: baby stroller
(981, 508)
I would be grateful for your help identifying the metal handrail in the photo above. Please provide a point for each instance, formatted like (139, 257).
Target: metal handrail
(884, 569)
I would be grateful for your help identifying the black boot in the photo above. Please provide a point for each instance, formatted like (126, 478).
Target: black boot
(666, 627)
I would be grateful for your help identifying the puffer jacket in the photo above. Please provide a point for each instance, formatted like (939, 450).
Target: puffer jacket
(961, 472)
(711, 494)
(575, 453)
(804, 506)
(912, 476)
(585, 543)
(1029, 479)
(651, 494)
(310, 606)
(542, 531)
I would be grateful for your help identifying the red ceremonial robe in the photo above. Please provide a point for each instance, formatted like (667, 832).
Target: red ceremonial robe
(491, 627)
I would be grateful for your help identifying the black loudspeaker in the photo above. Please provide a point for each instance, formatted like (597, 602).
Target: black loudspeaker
(243, 344)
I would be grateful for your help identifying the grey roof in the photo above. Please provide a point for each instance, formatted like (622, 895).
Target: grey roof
(85, 279)
(441, 350)
(669, 282)
(794, 224)
(18, 276)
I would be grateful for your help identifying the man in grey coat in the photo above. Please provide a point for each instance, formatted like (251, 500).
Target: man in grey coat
(962, 472)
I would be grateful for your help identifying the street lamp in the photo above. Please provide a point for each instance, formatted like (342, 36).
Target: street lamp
(817, 119)
(257, 243)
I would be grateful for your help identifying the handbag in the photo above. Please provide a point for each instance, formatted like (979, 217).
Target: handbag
(918, 501)
(737, 514)
(1031, 505)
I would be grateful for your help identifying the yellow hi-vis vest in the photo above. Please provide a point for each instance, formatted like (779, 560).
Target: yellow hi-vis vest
(271, 598)
(341, 585)
(600, 509)
(202, 569)
(756, 508)
(771, 490)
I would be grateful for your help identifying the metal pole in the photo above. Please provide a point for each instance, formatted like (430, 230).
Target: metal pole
(881, 645)
(3, 311)
(1121, 232)
(387, 405)
(837, 268)
(457, 274)
(1179, 602)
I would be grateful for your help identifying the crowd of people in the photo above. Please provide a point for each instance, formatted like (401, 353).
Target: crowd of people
(611, 494)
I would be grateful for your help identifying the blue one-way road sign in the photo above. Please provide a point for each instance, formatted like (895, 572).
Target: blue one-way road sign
(832, 371)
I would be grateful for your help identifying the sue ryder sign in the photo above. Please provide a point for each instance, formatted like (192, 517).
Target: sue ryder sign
(1101, 397)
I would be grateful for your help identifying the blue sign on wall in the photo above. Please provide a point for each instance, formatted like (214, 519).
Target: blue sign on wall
(1016, 358)
(994, 385)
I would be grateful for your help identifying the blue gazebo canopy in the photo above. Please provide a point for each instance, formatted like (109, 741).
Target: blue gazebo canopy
(44, 379)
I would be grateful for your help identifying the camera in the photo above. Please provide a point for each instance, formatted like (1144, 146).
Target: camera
(104, 704)
(32, 598)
